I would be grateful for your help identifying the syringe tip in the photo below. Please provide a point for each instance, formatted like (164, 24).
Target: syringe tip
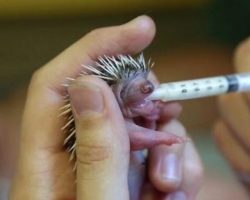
(156, 95)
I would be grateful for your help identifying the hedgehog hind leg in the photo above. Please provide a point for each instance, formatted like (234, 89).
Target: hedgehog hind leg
(143, 138)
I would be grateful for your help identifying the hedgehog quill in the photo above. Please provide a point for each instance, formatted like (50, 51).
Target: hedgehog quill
(128, 78)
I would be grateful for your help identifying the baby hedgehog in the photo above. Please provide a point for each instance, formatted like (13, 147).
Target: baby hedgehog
(128, 79)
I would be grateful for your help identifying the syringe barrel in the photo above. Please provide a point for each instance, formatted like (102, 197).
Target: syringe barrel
(198, 88)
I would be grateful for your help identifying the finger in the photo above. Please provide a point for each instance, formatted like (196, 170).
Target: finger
(102, 143)
(165, 162)
(129, 38)
(235, 112)
(230, 148)
(242, 59)
(192, 173)
(168, 111)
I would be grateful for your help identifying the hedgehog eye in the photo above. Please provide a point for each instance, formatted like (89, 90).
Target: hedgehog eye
(147, 87)
(136, 91)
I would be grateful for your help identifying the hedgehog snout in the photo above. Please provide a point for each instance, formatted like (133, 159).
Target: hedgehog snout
(133, 97)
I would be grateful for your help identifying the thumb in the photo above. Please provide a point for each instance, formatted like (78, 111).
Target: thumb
(102, 143)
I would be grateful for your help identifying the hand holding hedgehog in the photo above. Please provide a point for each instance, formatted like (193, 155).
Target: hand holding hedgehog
(129, 81)
(103, 148)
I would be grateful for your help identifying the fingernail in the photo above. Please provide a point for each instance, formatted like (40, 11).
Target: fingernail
(171, 169)
(143, 22)
(86, 98)
(177, 196)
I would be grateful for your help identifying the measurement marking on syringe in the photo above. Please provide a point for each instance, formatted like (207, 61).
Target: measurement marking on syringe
(184, 91)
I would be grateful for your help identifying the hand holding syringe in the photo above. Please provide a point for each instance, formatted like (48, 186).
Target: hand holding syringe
(198, 88)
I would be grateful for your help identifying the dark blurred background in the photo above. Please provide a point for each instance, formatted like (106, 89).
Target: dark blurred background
(195, 38)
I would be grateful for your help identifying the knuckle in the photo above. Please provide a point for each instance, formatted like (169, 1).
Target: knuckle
(36, 77)
(96, 33)
(91, 154)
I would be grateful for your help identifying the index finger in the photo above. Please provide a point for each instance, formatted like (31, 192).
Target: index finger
(129, 38)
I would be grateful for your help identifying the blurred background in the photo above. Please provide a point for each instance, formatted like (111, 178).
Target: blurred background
(195, 38)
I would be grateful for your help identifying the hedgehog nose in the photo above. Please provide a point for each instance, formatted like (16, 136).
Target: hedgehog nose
(147, 87)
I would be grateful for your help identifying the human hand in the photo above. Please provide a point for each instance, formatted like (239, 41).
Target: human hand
(232, 130)
(44, 170)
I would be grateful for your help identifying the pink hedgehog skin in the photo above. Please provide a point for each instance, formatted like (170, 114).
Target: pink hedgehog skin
(128, 78)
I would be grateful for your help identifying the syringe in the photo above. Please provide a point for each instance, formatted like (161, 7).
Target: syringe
(204, 87)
